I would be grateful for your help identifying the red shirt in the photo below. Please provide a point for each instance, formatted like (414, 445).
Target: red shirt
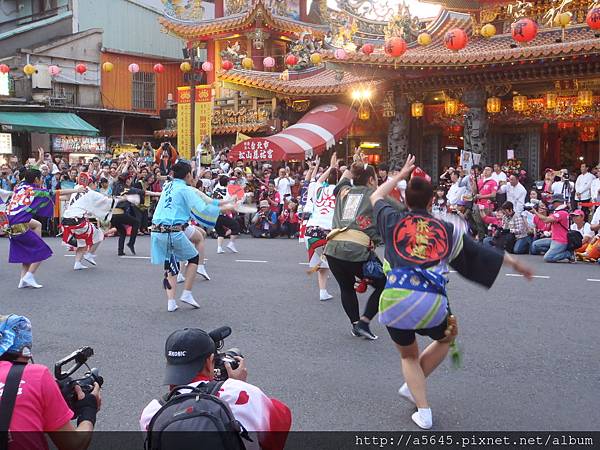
(39, 407)
(561, 226)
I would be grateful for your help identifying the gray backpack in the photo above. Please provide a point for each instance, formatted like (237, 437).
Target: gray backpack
(195, 419)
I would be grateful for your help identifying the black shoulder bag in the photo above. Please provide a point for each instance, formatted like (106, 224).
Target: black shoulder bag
(7, 402)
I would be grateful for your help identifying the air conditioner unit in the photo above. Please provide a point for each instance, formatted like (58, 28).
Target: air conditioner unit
(41, 78)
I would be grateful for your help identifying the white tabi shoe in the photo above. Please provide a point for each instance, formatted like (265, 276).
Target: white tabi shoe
(180, 277)
(187, 297)
(29, 281)
(172, 306)
(91, 258)
(231, 247)
(202, 272)
(79, 266)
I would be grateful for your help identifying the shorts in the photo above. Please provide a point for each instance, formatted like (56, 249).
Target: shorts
(407, 337)
(165, 245)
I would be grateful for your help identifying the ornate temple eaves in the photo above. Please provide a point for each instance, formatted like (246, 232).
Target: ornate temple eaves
(498, 50)
(248, 19)
(322, 82)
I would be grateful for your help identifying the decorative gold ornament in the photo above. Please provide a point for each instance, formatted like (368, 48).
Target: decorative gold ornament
(364, 112)
(247, 63)
(451, 106)
(424, 39)
(493, 105)
(417, 109)
(29, 69)
(519, 9)
(551, 18)
(520, 103)
(585, 98)
(550, 100)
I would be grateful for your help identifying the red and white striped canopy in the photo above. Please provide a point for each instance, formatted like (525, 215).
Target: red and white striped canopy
(317, 131)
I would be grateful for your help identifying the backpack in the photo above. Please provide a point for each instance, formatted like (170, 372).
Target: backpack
(574, 239)
(195, 419)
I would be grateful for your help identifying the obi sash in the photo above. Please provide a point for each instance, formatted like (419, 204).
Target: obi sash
(414, 298)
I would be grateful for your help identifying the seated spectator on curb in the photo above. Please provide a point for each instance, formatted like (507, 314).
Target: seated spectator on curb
(264, 222)
(579, 224)
(289, 222)
(513, 237)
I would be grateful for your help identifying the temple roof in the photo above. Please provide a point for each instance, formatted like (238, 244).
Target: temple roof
(246, 20)
(480, 51)
(466, 5)
(320, 82)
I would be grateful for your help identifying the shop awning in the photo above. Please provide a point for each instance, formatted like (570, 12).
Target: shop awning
(317, 131)
(45, 122)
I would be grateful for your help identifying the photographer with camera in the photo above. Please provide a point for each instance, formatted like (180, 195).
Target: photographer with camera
(31, 402)
(241, 408)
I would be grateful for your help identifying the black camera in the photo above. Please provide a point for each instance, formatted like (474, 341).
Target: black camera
(221, 358)
(528, 206)
(67, 383)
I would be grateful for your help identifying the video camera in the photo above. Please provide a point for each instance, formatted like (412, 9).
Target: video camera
(67, 383)
(218, 336)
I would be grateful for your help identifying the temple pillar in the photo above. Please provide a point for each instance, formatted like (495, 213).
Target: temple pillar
(398, 133)
(476, 124)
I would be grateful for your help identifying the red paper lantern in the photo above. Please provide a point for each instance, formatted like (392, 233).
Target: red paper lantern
(291, 60)
(80, 69)
(593, 18)
(395, 47)
(158, 68)
(456, 39)
(524, 30)
(4, 68)
(367, 49)
(227, 65)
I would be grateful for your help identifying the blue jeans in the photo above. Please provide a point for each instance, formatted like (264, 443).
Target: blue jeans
(522, 246)
(557, 252)
(540, 246)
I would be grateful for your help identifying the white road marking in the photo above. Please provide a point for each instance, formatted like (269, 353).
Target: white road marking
(593, 279)
(304, 264)
(70, 256)
(135, 257)
(250, 261)
(545, 277)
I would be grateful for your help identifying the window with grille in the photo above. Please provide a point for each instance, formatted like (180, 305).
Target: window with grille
(64, 93)
(143, 90)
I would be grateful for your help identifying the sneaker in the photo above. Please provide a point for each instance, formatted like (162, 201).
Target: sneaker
(29, 281)
(361, 328)
(423, 418)
(220, 250)
(89, 257)
(404, 392)
(186, 297)
(324, 295)
(79, 266)
(201, 270)
(180, 277)
(172, 306)
(231, 246)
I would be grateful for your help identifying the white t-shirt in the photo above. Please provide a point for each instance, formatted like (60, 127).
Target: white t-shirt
(516, 195)
(455, 193)
(499, 177)
(596, 218)
(585, 231)
(249, 405)
(582, 186)
(558, 188)
(595, 190)
(284, 187)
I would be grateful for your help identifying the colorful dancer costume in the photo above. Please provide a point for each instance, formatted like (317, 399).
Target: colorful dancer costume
(26, 246)
(418, 250)
(78, 231)
(178, 204)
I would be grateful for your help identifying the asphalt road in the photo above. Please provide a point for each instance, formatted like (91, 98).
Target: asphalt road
(531, 358)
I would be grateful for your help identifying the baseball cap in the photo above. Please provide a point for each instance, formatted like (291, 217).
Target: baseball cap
(186, 351)
(558, 198)
(578, 212)
(264, 204)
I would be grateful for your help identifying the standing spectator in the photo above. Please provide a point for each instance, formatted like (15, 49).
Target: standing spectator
(283, 183)
(498, 175)
(563, 186)
(583, 185)
(556, 247)
(6, 178)
(485, 189)
(595, 186)
(439, 207)
(515, 193)
(382, 172)
(456, 191)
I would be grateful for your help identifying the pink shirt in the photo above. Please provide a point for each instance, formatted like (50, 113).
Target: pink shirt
(39, 407)
(560, 227)
(486, 187)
